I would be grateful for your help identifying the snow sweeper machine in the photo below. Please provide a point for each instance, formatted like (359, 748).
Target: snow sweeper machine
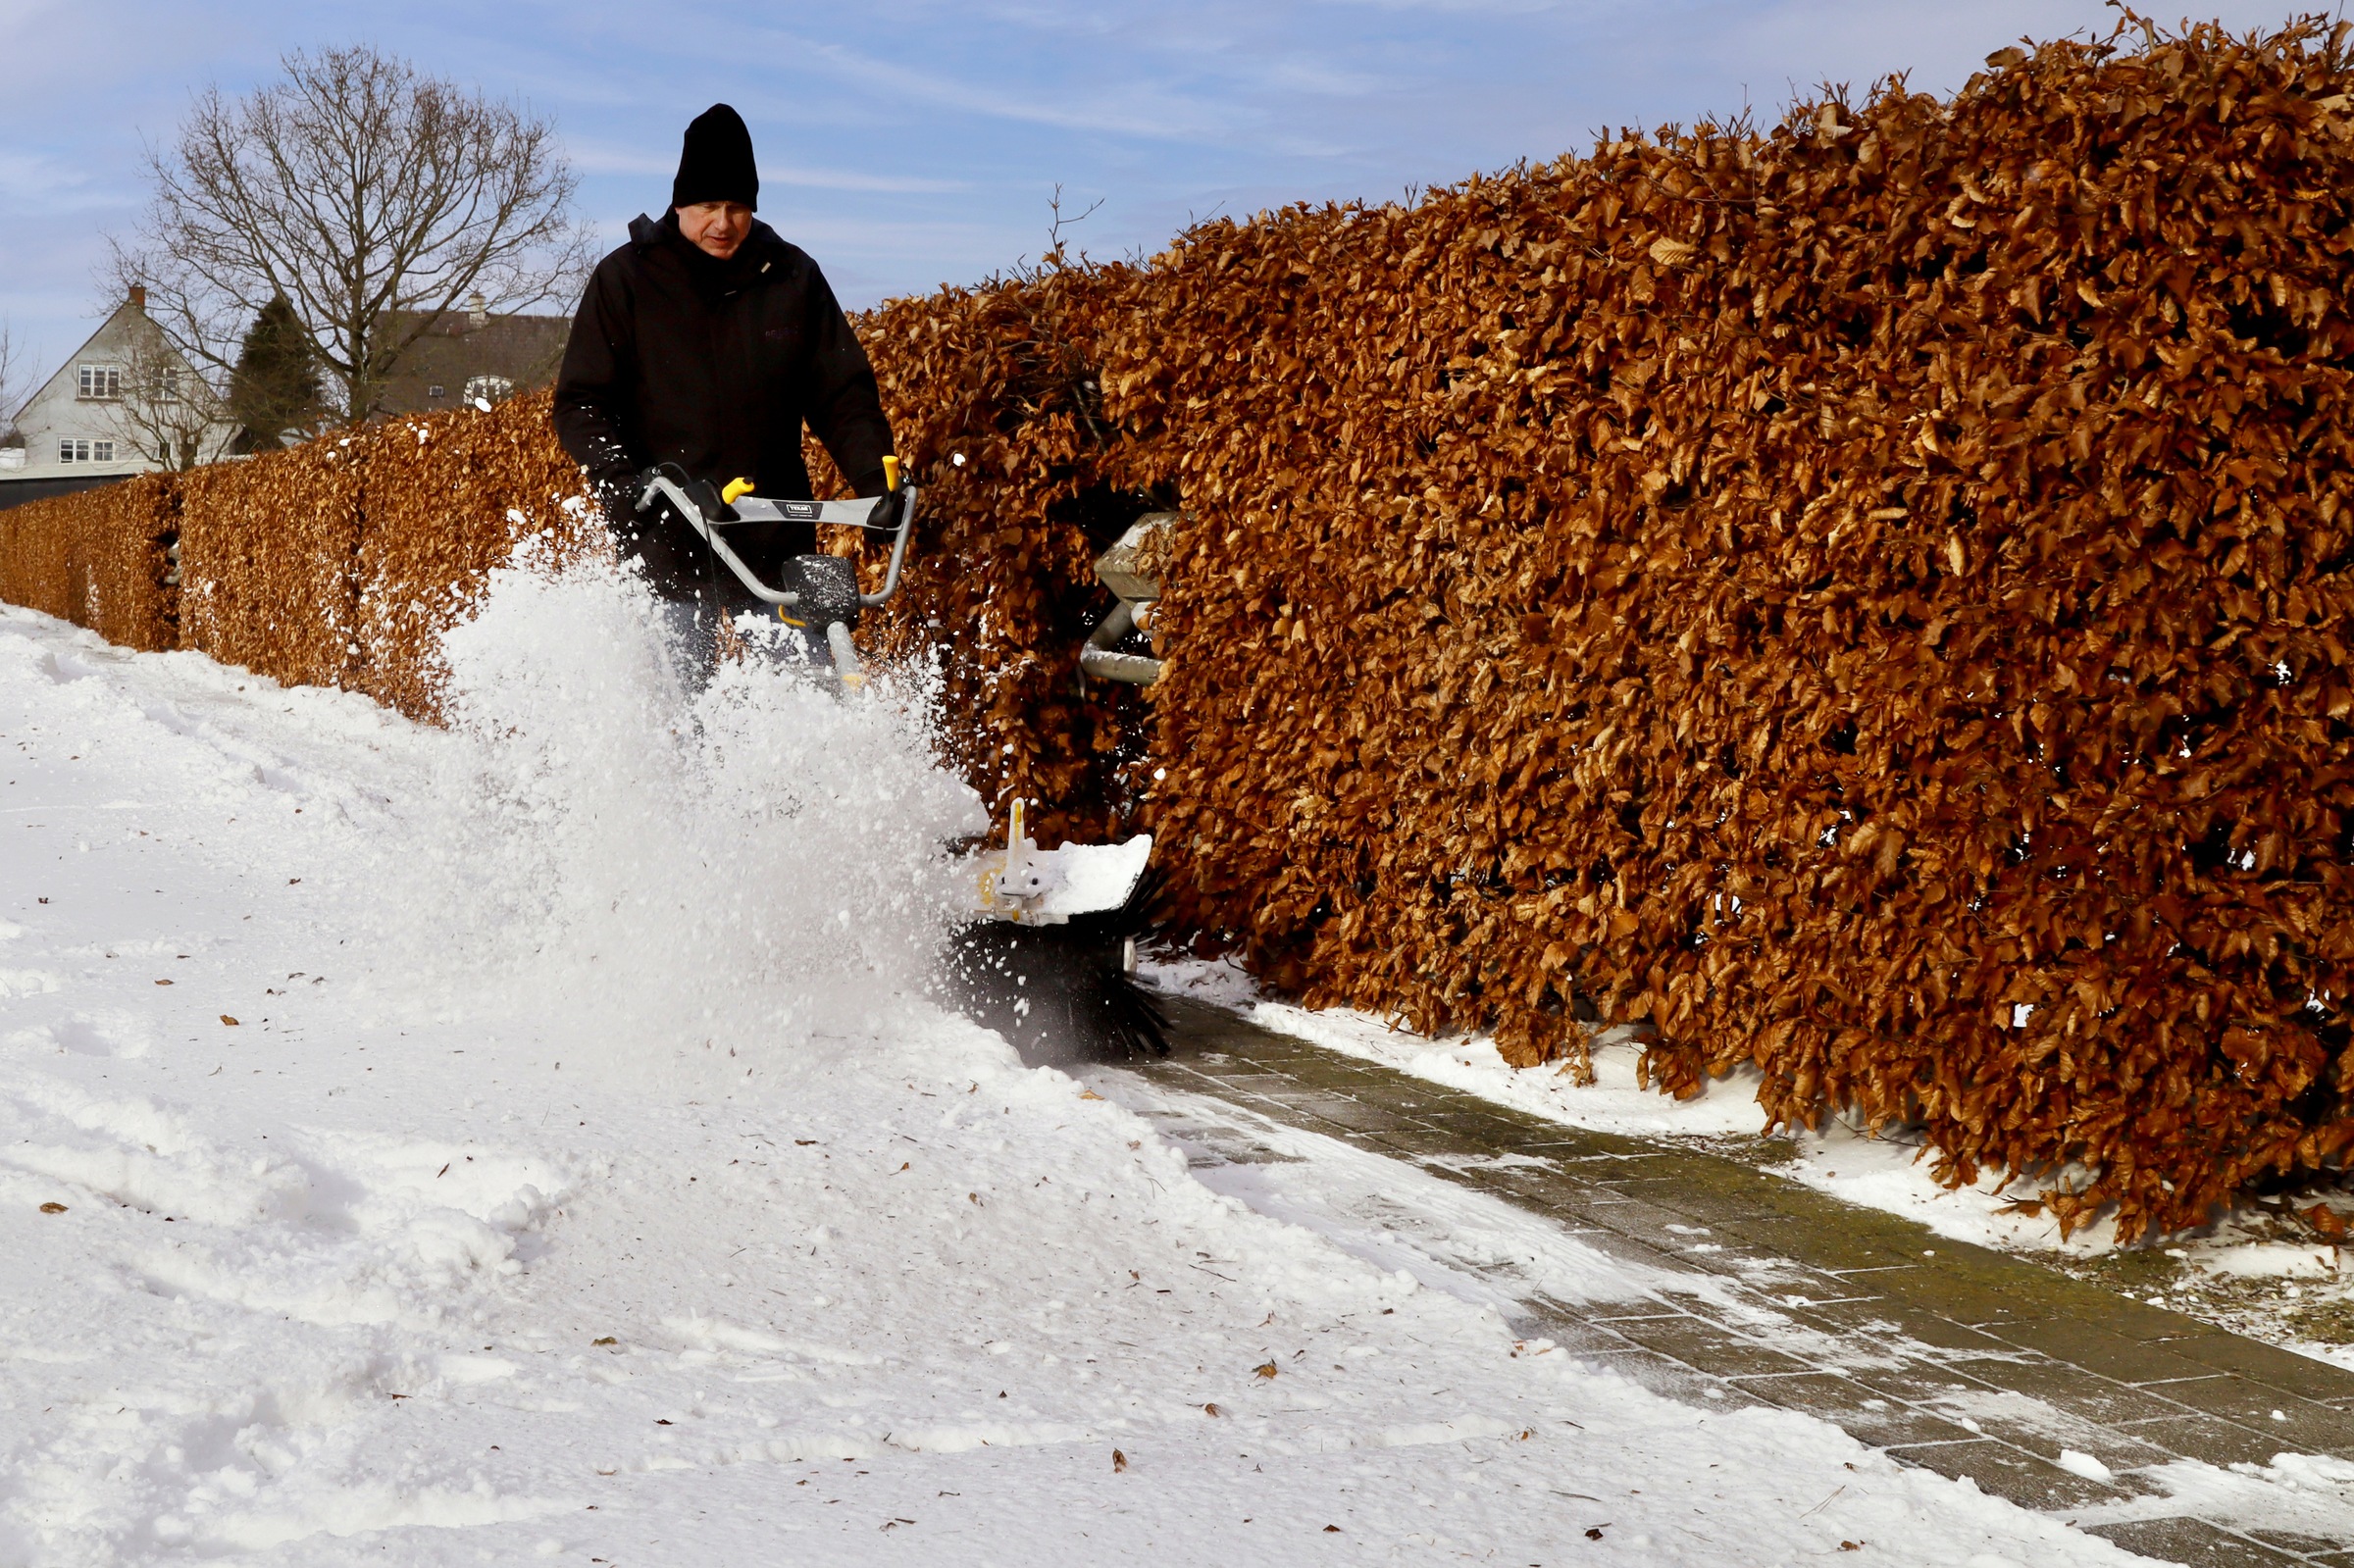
(1048, 957)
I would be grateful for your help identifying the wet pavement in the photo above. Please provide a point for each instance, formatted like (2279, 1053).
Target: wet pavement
(1967, 1361)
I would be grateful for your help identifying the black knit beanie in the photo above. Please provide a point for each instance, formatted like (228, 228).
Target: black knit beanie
(716, 162)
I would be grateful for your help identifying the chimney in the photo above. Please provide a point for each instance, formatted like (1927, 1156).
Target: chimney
(477, 314)
(139, 299)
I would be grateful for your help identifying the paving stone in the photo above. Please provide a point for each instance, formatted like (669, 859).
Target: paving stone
(1520, 1185)
(1234, 1073)
(1759, 1228)
(1724, 1398)
(2209, 1439)
(1778, 1196)
(1707, 1347)
(1479, 1128)
(1878, 1316)
(1197, 1158)
(1654, 1370)
(1556, 1142)
(1682, 1177)
(2007, 1472)
(1986, 1308)
(2070, 1389)
(2192, 1542)
(2095, 1350)
(1413, 1142)
(1210, 1064)
(2137, 1320)
(1971, 1286)
(1823, 1246)
(2291, 1541)
(2038, 1434)
(1637, 1220)
(1864, 1413)
(1619, 1312)
(1613, 1154)
(1339, 1110)
(2300, 1375)
(1916, 1382)
(2304, 1427)
(1622, 1226)
(1754, 1266)
(1575, 1335)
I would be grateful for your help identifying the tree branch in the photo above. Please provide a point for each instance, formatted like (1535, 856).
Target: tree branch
(371, 198)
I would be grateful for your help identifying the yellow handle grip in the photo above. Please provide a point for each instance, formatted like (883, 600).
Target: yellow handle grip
(734, 489)
(890, 473)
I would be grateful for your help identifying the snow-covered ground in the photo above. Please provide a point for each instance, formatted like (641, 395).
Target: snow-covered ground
(531, 1140)
(2254, 1270)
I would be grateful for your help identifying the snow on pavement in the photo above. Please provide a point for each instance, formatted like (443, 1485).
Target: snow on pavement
(531, 1140)
(2250, 1271)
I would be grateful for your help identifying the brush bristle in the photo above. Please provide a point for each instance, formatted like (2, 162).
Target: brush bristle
(1057, 993)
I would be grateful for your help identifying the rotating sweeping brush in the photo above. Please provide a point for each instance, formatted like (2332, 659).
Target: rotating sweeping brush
(1060, 993)
(1051, 963)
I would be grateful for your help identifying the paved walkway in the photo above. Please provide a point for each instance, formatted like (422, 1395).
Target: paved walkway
(1947, 1355)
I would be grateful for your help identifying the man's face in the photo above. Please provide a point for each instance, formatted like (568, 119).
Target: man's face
(716, 227)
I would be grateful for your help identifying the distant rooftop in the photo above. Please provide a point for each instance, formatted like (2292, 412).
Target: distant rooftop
(466, 355)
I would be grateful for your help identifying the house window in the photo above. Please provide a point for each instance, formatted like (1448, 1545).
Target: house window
(489, 389)
(100, 381)
(83, 451)
(434, 391)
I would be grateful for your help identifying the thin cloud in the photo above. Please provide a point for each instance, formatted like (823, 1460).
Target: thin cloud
(596, 158)
(34, 183)
(1145, 112)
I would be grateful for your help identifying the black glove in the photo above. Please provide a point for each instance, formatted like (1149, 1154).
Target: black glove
(889, 509)
(644, 497)
(705, 496)
(642, 494)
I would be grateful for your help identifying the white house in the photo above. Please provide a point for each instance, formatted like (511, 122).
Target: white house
(125, 403)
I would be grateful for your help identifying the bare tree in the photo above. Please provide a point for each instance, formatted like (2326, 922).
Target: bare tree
(370, 197)
(10, 396)
(12, 401)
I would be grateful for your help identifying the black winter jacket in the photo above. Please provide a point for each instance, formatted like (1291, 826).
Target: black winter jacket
(677, 357)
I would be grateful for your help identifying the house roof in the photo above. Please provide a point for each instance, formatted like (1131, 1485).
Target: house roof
(131, 339)
(63, 372)
(457, 346)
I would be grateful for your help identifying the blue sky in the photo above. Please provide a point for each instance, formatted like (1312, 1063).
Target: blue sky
(908, 143)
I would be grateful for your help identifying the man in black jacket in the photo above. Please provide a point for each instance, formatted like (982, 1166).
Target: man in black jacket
(706, 341)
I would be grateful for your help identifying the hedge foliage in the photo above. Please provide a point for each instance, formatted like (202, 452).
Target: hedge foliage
(1868, 601)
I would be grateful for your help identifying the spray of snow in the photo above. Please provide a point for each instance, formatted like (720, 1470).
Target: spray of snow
(672, 878)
